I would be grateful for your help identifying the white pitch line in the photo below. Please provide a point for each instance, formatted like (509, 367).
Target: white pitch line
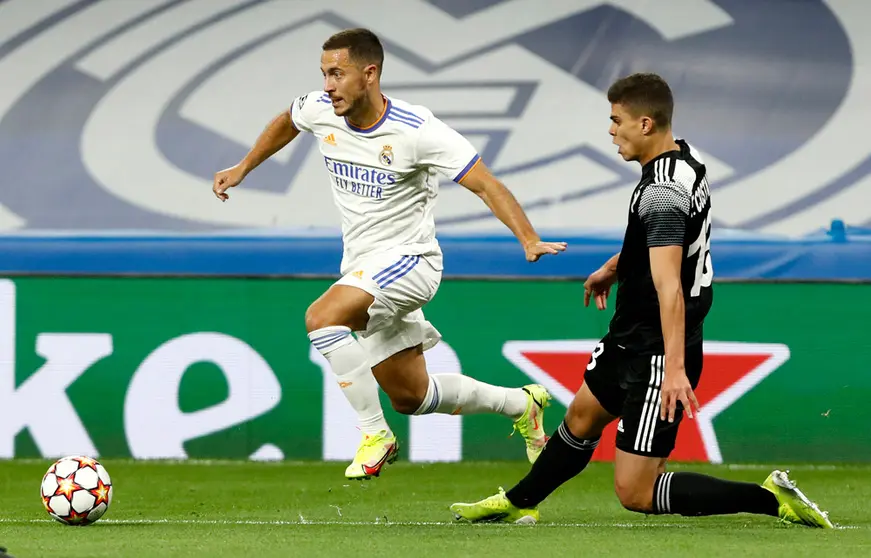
(278, 522)
(303, 521)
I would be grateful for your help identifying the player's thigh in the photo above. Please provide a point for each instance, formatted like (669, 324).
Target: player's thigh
(642, 430)
(586, 417)
(600, 399)
(340, 305)
(398, 284)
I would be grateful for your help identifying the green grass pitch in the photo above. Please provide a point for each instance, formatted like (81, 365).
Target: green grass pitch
(219, 509)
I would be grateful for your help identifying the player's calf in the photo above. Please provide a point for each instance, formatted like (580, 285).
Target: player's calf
(693, 494)
(567, 452)
(407, 403)
(403, 378)
(643, 486)
(564, 456)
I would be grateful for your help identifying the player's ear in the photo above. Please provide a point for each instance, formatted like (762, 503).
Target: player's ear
(371, 72)
(647, 125)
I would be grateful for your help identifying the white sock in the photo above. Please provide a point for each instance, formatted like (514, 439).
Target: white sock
(456, 394)
(350, 364)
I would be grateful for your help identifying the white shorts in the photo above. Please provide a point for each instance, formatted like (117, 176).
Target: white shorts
(401, 285)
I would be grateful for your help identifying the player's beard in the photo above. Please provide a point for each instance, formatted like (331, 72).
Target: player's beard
(355, 107)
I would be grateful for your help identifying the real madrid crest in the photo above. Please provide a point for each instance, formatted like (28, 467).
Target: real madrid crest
(386, 155)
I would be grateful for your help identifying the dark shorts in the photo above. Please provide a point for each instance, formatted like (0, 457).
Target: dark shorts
(629, 386)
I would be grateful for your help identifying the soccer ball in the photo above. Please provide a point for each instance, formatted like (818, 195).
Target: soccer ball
(76, 490)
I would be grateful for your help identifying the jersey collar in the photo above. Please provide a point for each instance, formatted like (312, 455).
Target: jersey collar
(381, 119)
(649, 166)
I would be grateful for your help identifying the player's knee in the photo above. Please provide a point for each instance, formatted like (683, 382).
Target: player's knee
(634, 495)
(349, 307)
(319, 315)
(580, 424)
(315, 319)
(586, 419)
(407, 402)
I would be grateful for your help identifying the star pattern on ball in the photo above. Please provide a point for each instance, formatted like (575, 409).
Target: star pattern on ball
(101, 493)
(76, 518)
(67, 486)
(87, 462)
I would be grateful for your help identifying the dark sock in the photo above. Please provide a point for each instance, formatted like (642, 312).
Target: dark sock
(695, 494)
(562, 458)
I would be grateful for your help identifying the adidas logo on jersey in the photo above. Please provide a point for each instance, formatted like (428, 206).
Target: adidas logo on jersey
(330, 139)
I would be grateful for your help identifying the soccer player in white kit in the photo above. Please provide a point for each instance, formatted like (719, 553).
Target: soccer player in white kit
(383, 156)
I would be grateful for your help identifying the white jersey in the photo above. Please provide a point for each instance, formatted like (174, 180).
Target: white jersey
(384, 177)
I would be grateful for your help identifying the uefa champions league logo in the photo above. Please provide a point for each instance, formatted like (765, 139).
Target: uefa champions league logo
(125, 125)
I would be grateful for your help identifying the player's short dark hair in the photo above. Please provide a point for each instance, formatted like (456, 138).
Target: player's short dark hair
(363, 46)
(644, 94)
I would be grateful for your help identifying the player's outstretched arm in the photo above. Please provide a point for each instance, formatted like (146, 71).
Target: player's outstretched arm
(278, 133)
(505, 207)
(665, 265)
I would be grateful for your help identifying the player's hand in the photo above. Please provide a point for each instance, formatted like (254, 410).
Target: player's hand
(676, 387)
(537, 249)
(226, 179)
(598, 287)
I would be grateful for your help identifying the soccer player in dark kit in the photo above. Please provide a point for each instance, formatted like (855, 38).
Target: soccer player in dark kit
(644, 371)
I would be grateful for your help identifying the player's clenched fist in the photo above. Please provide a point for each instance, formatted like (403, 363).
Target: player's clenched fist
(226, 179)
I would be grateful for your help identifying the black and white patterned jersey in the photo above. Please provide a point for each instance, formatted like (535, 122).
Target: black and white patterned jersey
(670, 206)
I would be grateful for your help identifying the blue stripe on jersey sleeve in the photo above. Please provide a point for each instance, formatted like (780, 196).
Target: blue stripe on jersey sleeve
(462, 174)
(408, 115)
(396, 118)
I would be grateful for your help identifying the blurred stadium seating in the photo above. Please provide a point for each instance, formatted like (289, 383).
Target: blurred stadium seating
(119, 113)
